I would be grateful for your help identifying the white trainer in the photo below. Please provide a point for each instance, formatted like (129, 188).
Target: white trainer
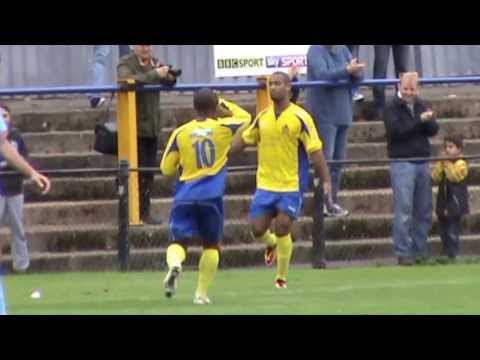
(201, 300)
(336, 211)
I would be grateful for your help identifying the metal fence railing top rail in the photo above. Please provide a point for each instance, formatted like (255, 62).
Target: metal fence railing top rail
(222, 87)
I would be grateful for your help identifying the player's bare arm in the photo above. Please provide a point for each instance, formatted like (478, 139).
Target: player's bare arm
(15, 159)
(321, 170)
(238, 144)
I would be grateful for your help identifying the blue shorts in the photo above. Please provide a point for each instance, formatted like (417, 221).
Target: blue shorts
(197, 219)
(270, 202)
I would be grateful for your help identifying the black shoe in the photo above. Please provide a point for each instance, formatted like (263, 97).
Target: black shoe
(421, 261)
(151, 221)
(443, 260)
(319, 264)
(405, 261)
(452, 259)
(97, 102)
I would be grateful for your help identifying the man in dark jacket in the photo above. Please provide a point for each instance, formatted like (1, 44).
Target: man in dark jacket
(409, 123)
(12, 198)
(145, 69)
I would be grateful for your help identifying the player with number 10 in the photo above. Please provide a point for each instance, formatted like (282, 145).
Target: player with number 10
(198, 152)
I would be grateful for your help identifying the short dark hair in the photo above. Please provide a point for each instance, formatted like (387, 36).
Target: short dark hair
(454, 139)
(285, 76)
(205, 101)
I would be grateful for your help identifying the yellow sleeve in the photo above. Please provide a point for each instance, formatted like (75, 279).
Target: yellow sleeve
(437, 172)
(235, 125)
(171, 156)
(251, 135)
(456, 171)
(309, 135)
(237, 111)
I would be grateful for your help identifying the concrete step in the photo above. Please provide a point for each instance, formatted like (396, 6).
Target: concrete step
(242, 182)
(60, 142)
(96, 236)
(81, 140)
(173, 113)
(235, 256)
(86, 160)
(64, 161)
(363, 202)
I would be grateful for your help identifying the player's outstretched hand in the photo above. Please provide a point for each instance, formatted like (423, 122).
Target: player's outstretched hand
(42, 182)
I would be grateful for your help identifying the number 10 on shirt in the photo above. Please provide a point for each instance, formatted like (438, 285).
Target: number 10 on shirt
(205, 151)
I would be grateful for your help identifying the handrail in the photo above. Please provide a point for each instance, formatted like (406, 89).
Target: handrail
(237, 168)
(223, 86)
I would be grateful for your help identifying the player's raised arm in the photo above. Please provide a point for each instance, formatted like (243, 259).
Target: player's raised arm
(230, 109)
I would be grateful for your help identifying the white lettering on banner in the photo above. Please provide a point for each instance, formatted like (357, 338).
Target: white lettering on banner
(256, 60)
(286, 61)
(239, 63)
(273, 61)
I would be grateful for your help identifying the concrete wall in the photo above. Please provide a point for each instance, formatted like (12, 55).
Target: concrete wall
(56, 65)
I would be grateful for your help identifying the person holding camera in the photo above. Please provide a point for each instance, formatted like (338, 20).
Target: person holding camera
(141, 66)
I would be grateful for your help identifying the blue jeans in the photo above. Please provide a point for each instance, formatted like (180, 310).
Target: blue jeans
(412, 195)
(334, 139)
(97, 68)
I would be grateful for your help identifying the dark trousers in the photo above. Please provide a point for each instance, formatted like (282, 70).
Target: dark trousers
(449, 228)
(123, 50)
(354, 50)
(380, 66)
(147, 157)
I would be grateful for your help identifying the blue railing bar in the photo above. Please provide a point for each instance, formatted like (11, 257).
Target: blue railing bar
(195, 87)
(115, 88)
(222, 87)
(236, 168)
(372, 82)
(59, 90)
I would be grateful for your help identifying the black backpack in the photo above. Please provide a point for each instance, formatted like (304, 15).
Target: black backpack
(106, 135)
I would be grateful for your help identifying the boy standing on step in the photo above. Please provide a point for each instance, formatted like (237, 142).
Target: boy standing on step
(452, 200)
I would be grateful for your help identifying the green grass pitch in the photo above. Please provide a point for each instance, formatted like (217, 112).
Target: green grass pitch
(452, 289)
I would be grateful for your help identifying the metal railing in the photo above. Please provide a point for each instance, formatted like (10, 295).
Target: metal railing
(223, 87)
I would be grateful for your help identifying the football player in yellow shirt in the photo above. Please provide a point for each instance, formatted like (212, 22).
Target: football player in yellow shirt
(198, 152)
(286, 138)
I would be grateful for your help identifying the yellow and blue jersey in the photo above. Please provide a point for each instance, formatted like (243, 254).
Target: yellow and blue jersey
(284, 143)
(198, 151)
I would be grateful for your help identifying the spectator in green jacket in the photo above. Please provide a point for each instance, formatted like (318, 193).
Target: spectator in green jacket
(141, 66)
